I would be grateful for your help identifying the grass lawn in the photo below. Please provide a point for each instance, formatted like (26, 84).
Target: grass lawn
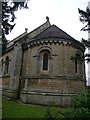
(13, 109)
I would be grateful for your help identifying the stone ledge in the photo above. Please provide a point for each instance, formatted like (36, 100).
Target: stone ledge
(50, 99)
(9, 93)
(48, 93)
(53, 77)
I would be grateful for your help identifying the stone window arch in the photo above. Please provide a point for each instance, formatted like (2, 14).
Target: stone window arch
(45, 60)
(78, 63)
(6, 65)
(46, 57)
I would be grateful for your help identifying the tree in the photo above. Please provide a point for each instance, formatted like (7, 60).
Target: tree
(85, 18)
(8, 17)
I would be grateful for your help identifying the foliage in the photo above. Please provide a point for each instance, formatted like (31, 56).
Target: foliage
(76, 113)
(81, 106)
(85, 18)
(87, 44)
(82, 100)
(8, 18)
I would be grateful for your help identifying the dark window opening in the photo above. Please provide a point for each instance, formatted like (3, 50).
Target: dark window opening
(45, 61)
(2, 65)
(77, 63)
(76, 66)
(6, 65)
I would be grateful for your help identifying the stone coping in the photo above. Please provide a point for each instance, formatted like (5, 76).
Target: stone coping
(47, 93)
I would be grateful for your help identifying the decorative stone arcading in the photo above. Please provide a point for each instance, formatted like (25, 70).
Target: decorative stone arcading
(35, 43)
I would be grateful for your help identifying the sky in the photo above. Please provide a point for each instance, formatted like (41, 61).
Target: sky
(62, 13)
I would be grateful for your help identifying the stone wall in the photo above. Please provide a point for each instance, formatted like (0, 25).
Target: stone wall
(50, 91)
(61, 65)
(49, 99)
(56, 86)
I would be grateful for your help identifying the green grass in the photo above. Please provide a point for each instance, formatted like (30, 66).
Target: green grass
(12, 109)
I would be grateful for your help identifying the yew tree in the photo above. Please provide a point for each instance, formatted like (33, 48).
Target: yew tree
(8, 17)
(85, 19)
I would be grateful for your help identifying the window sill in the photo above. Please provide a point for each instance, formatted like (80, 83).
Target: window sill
(44, 72)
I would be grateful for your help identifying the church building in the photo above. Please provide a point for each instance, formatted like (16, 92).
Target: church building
(45, 66)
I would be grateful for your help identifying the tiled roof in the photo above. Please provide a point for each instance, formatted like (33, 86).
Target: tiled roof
(54, 32)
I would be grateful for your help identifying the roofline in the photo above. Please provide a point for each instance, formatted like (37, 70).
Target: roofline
(25, 33)
(64, 32)
(39, 27)
(59, 29)
(18, 37)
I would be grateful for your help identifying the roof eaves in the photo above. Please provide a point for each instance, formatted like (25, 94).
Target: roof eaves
(39, 27)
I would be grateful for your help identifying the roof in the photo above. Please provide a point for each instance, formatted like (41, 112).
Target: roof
(10, 43)
(39, 30)
(44, 32)
(31, 34)
(53, 32)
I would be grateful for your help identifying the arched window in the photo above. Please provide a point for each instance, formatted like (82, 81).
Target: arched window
(44, 65)
(45, 61)
(2, 65)
(78, 63)
(6, 65)
(76, 66)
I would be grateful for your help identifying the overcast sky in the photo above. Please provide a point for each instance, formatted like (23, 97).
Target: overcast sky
(62, 13)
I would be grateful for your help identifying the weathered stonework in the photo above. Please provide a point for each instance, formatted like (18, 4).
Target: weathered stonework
(53, 81)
